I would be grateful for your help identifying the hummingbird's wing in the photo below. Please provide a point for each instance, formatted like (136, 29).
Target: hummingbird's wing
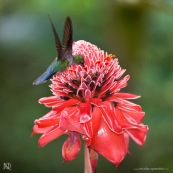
(66, 47)
(67, 36)
(50, 71)
(57, 41)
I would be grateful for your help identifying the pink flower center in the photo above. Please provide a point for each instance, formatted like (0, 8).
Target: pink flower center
(97, 79)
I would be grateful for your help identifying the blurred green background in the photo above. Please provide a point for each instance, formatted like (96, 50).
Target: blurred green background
(139, 32)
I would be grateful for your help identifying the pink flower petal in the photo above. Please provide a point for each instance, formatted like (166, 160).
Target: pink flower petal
(87, 95)
(121, 84)
(138, 134)
(133, 116)
(93, 125)
(125, 95)
(122, 120)
(109, 144)
(71, 147)
(70, 121)
(129, 107)
(85, 112)
(66, 104)
(50, 119)
(106, 88)
(46, 122)
(50, 136)
(124, 103)
(50, 101)
(37, 129)
(110, 117)
(97, 102)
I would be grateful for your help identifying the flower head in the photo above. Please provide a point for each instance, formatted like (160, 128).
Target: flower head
(87, 102)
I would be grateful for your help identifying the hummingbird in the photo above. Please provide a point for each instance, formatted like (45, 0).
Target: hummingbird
(64, 58)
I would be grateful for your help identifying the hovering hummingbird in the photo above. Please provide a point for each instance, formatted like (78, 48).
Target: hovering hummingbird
(64, 57)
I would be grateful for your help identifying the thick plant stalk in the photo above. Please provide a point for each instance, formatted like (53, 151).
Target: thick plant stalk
(91, 158)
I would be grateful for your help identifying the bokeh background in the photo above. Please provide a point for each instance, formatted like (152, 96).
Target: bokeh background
(139, 32)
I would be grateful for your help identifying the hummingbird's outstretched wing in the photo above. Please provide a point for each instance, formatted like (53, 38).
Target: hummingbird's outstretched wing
(57, 41)
(67, 36)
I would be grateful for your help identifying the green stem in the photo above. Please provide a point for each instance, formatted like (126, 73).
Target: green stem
(91, 158)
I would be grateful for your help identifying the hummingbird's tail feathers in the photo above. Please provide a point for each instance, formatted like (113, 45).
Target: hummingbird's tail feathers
(57, 41)
(43, 78)
(50, 71)
(67, 36)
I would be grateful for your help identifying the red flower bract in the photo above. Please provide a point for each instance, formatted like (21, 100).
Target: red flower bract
(87, 101)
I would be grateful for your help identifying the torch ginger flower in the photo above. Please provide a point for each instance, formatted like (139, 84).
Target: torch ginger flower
(87, 102)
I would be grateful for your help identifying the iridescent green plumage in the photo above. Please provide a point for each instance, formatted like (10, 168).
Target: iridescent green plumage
(78, 59)
(64, 57)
